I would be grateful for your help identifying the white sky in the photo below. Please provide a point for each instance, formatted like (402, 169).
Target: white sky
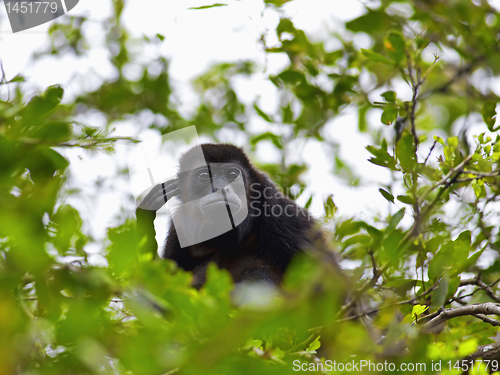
(194, 40)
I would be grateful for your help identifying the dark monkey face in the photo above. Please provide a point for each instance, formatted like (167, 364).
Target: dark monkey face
(213, 193)
(216, 185)
(214, 201)
(212, 186)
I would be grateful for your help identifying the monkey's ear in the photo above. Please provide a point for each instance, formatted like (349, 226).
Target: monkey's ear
(158, 195)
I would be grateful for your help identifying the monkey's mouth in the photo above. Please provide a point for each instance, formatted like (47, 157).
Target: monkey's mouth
(221, 202)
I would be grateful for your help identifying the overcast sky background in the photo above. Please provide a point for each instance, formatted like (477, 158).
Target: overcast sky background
(195, 39)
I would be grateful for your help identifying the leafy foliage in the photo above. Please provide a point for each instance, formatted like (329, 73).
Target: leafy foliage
(59, 314)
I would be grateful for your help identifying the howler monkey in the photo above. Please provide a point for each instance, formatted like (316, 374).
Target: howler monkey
(230, 213)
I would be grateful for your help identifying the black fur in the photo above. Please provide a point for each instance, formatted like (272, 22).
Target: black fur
(261, 247)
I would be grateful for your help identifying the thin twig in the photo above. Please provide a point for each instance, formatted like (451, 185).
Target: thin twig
(454, 171)
(495, 173)
(409, 301)
(485, 319)
(482, 286)
(430, 152)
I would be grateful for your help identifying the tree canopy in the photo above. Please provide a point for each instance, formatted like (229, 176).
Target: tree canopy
(425, 275)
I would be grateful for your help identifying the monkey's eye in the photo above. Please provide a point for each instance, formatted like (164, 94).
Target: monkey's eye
(203, 175)
(233, 174)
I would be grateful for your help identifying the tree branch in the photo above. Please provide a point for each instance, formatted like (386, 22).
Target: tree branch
(488, 308)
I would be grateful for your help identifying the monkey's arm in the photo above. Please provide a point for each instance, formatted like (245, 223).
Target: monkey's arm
(159, 195)
(146, 213)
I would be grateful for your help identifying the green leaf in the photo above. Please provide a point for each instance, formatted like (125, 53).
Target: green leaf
(433, 244)
(418, 310)
(269, 136)
(390, 245)
(375, 233)
(348, 227)
(489, 115)
(331, 57)
(315, 345)
(394, 44)
(406, 199)
(395, 219)
(479, 189)
(330, 207)
(390, 96)
(421, 42)
(375, 21)
(287, 114)
(41, 106)
(389, 115)
(216, 5)
(308, 203)
(406, 152)
(376, 57)
(468, 263)
(387, 195)
(219, 282)
(57, 131)
(382, 157)
(18, 78)
(468, 347)
(261, 113)
(439, 295)
(122, 250)
(362, 123)
(43, 163)
(451, 256)
(277, 3)
(255, 343)
(453, 142)
(285, 26)
(363, 239)
(401, 286)
(439, 140)
(67, 223)
(292, 76)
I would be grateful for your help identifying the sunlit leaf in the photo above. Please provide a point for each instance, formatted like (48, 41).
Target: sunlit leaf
(315, 345)
(330, 207)
(394, 44)
(18, 78)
